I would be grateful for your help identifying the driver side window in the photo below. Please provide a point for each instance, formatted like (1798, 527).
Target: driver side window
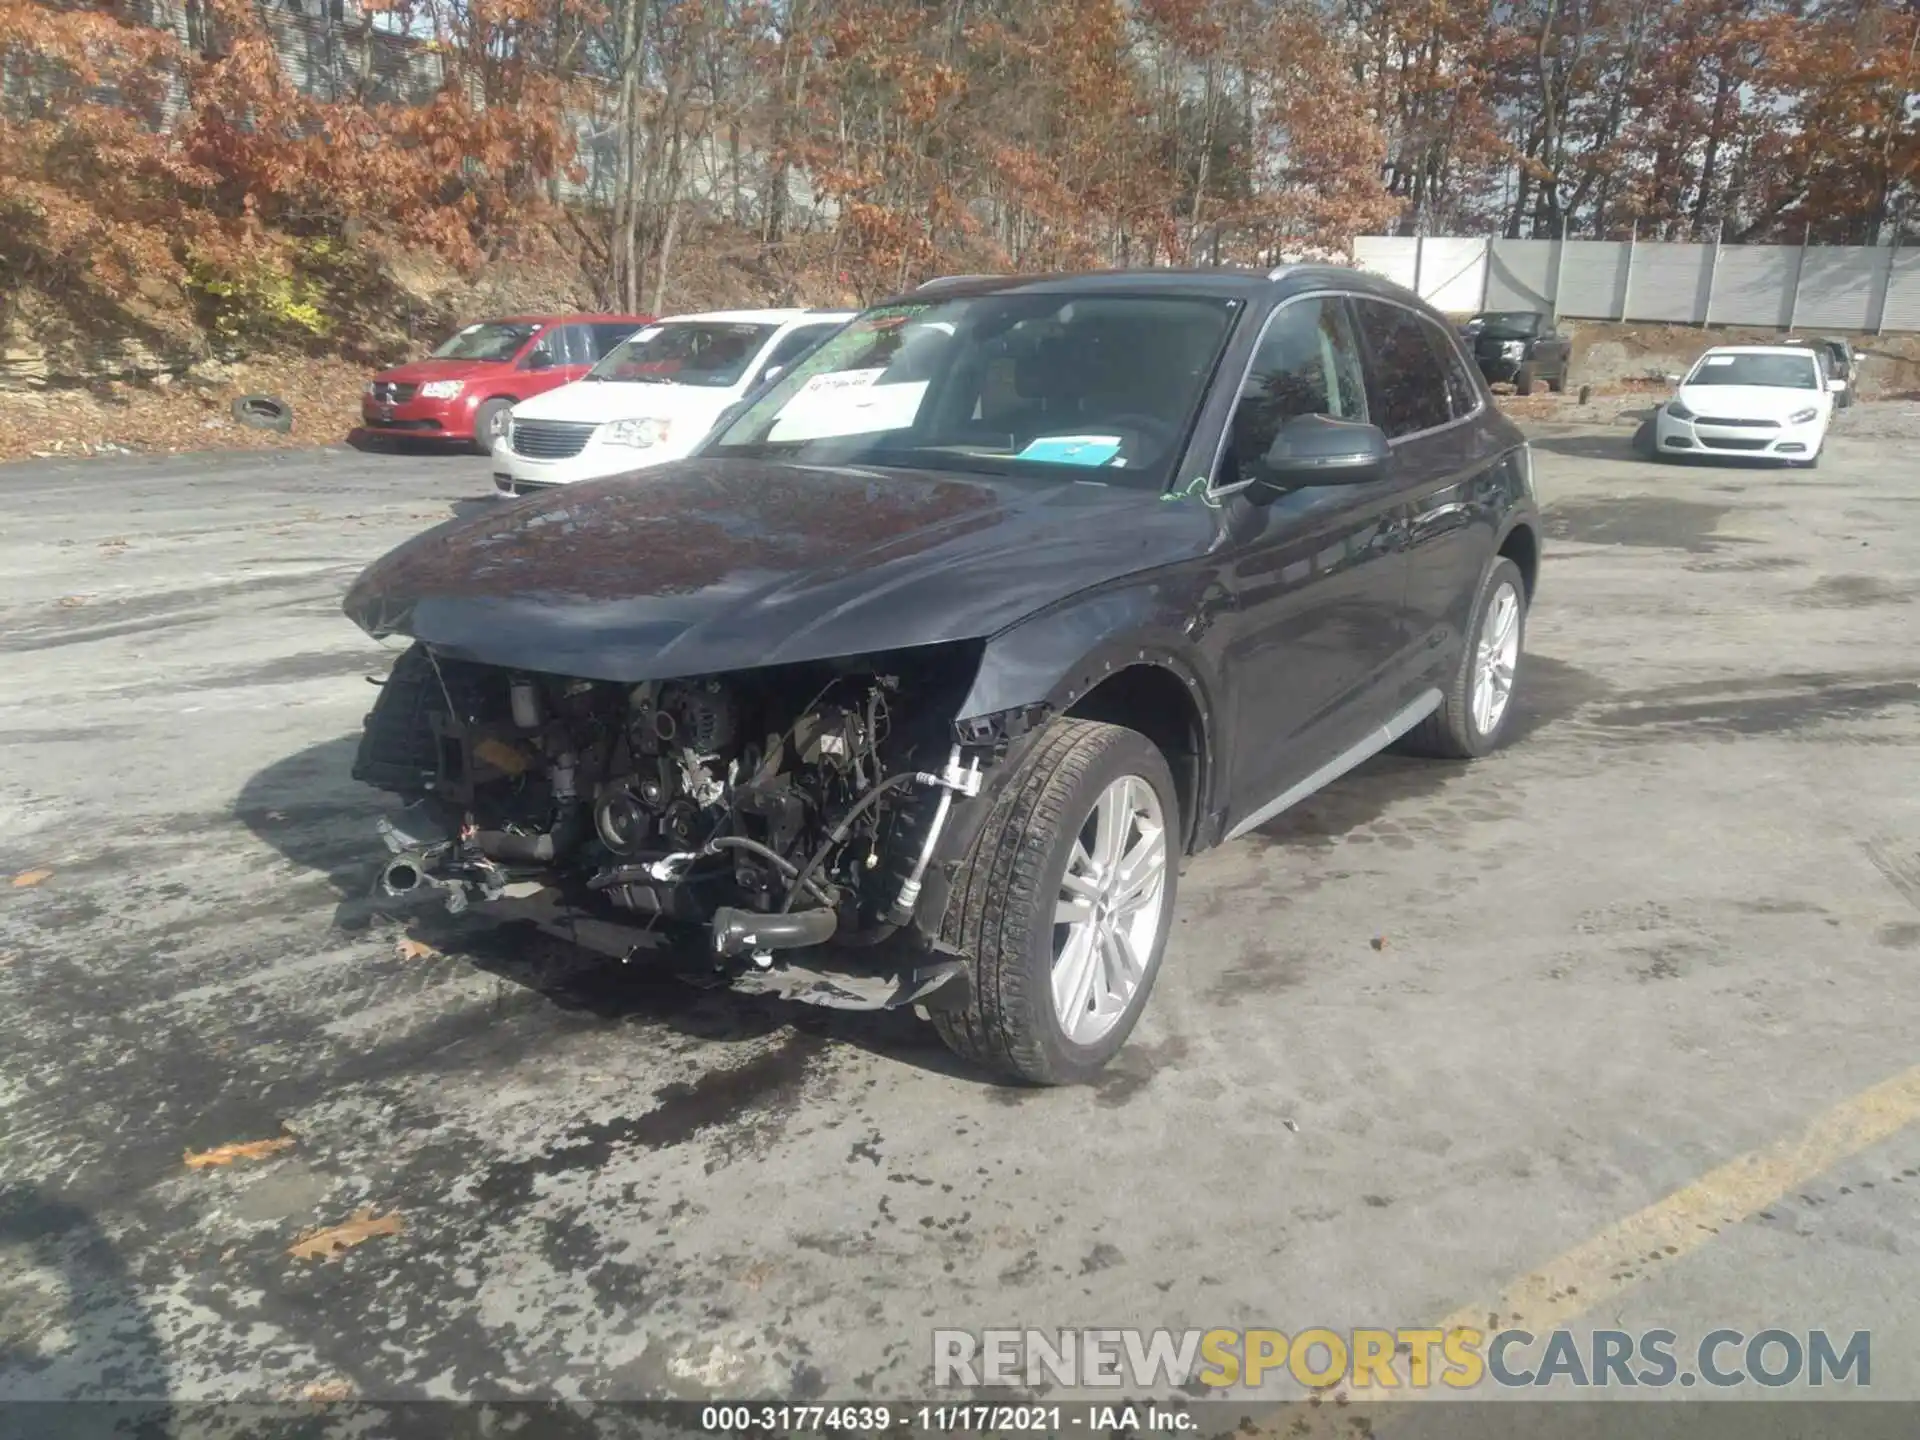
(1308, 363)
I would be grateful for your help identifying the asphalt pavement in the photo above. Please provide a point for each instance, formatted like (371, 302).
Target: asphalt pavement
(1440, 1027)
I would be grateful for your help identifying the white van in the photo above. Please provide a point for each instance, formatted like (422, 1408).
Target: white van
(653, 398)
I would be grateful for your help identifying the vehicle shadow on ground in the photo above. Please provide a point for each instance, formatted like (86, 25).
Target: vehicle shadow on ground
(100, 1338)
(374, 442)
(309, 809)
(1550, 692)
(1631, 447)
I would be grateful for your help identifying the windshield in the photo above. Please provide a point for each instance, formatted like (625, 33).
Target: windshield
(1514, 323)
(491, 340)
(1010, 384)
(1789, 372)
(685, 352)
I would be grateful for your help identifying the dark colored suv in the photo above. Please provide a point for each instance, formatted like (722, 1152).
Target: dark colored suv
(1520, 346)
(915, 683)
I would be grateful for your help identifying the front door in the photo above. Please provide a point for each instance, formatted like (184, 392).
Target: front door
(1317, 574)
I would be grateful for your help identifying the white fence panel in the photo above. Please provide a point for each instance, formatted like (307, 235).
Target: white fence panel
(1453, 273)
(1903, 292)
(1593, 278)
(1670, 282)
(1521, 276)
(1392, 257)
(1754, 285)
(1855, 288)
(1840, 287)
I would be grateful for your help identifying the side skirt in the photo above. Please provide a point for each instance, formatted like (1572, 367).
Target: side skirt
(1369, 745)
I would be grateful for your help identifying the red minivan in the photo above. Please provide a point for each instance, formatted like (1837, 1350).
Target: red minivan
(463, 390)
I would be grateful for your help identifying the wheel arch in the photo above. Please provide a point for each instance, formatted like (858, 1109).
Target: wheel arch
(1521, 544)
(1108, 659)
(1153, 699)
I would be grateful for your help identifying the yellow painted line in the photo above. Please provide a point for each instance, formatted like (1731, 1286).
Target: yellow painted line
(1609, 1263)
(1620, 1256)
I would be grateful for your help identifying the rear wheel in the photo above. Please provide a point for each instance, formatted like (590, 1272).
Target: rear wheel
(490, 424)
(1558, 383)
(1064, 905)
(1523, 380)
(1476, 708)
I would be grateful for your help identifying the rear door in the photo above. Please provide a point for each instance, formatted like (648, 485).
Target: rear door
(1316, 575)
(574, 353)
(1428, 400)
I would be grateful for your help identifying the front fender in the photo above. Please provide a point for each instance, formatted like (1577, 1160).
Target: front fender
(1053, 658)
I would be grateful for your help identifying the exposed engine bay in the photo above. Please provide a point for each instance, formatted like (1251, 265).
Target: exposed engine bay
(751, 814)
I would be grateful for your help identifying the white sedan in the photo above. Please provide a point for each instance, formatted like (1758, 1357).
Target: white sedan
(654, 398)
(1770, 402)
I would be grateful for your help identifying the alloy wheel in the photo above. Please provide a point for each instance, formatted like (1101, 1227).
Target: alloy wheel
(1496, 654)
(1107, 917)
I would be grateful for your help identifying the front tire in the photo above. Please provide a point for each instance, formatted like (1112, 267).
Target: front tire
(1064, 903)
(1476, 707)
(1523, 380)
(489, 424)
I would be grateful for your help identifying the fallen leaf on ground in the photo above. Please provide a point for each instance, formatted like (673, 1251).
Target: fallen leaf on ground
(325, 1243)
(1379, 942)
(30, 877)
(410, 949)
(240, 1150)
(70, 602)
(328, 1390)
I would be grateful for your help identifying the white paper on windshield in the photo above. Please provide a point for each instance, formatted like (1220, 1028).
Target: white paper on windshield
(1719, 359)
(862, 408)
(841, 380)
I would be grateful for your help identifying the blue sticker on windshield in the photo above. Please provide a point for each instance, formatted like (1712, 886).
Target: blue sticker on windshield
(1072, 449)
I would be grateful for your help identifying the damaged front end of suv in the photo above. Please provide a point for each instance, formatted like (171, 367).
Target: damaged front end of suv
(727, 820)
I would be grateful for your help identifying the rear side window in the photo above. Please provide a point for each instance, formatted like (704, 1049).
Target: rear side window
(605, 337)
(1463, 391)
(1409, 377)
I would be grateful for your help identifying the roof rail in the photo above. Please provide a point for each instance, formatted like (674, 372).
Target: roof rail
(941, 282)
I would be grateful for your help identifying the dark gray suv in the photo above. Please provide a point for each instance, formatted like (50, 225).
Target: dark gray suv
(915, 684)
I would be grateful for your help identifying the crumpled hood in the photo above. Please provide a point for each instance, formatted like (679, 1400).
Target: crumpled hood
(703, 566)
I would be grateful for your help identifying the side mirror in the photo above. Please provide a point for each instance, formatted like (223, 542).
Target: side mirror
(1671, 379)
(1836, 387)
(1314, 450)
(540, 360)
(771, 374)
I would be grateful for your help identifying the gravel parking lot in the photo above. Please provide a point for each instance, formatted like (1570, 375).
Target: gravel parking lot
(1437, 1029)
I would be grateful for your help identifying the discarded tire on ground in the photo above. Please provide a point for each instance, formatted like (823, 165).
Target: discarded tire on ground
(264, 412)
